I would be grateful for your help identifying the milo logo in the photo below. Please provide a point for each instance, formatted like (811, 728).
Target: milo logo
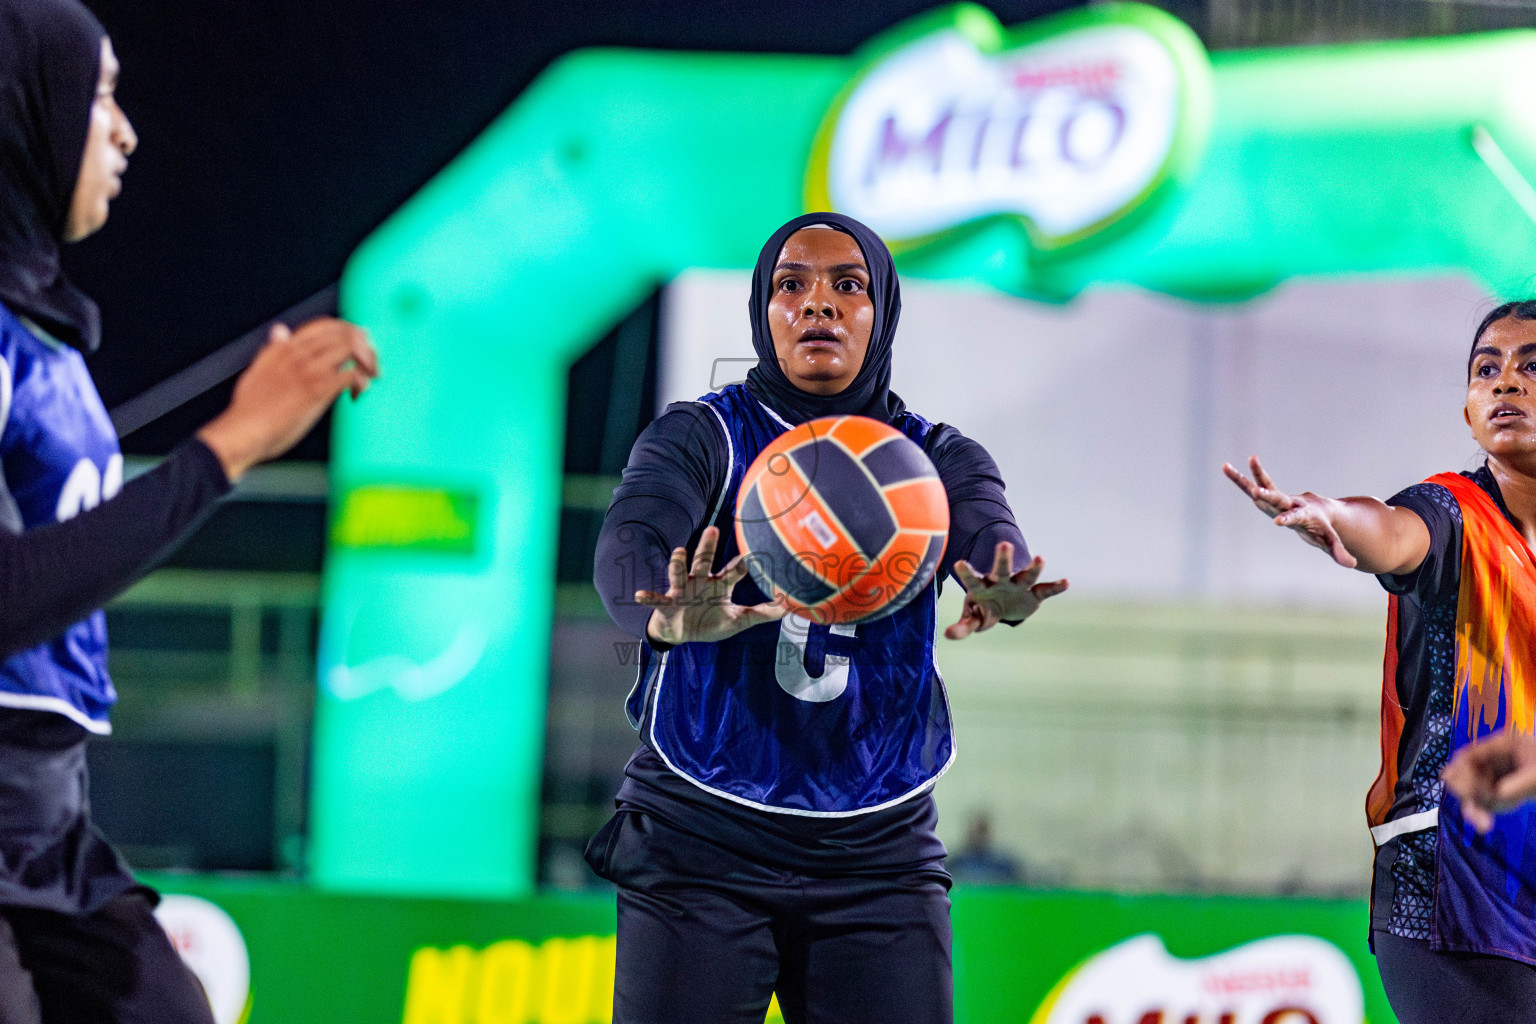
(1288, 979)
(1066, 124)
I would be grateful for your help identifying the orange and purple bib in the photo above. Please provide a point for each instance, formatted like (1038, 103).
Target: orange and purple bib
(1484, 896)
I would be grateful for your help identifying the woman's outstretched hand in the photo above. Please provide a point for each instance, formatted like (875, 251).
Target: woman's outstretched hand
(1002, 595)
(697, 606)
(1310, 515)
(1496, 774)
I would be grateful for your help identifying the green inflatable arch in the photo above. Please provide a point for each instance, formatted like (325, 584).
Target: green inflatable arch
(618, 169)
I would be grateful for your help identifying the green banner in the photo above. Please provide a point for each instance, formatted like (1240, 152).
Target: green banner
(1020, 956)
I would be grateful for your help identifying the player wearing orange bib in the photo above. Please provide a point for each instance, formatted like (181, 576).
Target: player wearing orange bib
(1453, 907)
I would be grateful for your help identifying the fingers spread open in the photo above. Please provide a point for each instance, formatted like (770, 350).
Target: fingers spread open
(1275, 499)
(757, 614)
(1259, 475)
(704, 554)
(1002, 561)
(1049, 589)
(1247, 486)
(1030, 573)
(732, 572)
(961, 629)
(677, 570)
(967, 576)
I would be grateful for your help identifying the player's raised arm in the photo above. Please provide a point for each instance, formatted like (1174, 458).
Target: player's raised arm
(58, 573)
(1358, 533)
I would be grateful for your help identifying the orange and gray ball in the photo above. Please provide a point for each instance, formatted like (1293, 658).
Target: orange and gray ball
(844, 518)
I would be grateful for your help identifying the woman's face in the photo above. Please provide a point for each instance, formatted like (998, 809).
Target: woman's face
(1501, 405)
(108, 142)
(820, 315)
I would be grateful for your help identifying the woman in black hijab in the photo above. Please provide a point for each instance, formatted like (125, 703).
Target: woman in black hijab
(775, 830)
(52, 53)
(78, 940)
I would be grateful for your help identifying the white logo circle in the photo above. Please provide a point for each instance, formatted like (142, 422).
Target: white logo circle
(210, 944)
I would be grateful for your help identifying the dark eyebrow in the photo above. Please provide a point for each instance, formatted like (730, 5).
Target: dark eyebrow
(840, 268)
(1489, 350)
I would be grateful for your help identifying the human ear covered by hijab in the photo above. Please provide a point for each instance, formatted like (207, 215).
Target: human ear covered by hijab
(50, 62)
(870, 393)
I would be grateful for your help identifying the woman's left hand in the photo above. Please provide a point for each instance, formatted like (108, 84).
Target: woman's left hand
(1001, 595)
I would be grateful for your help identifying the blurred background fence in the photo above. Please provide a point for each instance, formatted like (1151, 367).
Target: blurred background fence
(1170, 748)
(1230, 24)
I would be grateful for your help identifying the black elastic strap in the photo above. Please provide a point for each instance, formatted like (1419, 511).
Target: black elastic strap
(215, 368)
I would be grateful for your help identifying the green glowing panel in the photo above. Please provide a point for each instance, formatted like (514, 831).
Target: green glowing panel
(616, 170)
(395, 518)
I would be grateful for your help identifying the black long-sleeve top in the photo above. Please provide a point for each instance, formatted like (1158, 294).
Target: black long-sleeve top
(57, 574)
(677, 469)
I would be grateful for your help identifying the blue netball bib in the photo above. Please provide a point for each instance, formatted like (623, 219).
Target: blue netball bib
(793, 716)
(58, 457)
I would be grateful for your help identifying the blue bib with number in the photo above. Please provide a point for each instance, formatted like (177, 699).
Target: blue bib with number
(792, 716)
(58, 457)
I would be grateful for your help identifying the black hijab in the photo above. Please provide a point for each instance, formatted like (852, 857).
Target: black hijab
(870, 393)
(50, 62)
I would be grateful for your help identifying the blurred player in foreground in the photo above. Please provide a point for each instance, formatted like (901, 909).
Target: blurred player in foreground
(78, 941)
(1453, 912)
(1492, 776)
(766, 840)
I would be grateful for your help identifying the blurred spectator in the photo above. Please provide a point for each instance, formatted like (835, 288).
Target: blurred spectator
(978, 863)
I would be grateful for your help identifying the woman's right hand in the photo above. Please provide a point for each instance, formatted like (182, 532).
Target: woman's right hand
(289, 385)
(1310, 515)
(697, 606)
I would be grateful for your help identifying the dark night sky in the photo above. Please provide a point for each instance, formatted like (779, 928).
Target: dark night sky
(275, 135)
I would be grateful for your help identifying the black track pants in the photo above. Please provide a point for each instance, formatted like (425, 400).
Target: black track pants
(115, 966)
(706, 937)
(1426, 987)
